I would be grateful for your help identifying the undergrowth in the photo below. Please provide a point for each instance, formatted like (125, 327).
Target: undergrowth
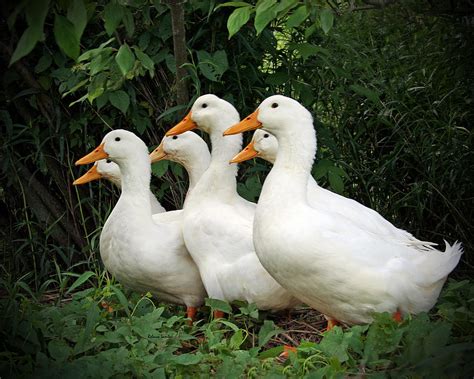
(100, 332)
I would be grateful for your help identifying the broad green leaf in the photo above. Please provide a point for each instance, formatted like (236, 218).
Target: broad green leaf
(92, 53)
(59, 350)
(306, 49)
(113, 14)
(125, 59)
(219, 305)
(120, 100)
(159, 168)
(96, 88)
(237, 19)
(326, 18)
(213, 66)
(297, 17)
(102, 100)
(336, 182)
(43, 63)
(264, 14)
(267, 331)
(81, 280)
(26, 43)
(145, 60)
(36, 12)
(187, 359)
(77, 14)
(65, 35)
(236, 340)
(128, 22)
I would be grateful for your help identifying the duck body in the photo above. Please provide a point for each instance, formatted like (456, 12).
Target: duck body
(265, 145)
(218, 223)
(330, 262)
(145, 252)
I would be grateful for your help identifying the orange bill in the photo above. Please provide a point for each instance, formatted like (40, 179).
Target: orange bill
(158, 154)
(98, 154)
(248, 153)
(248, 123)
(89, 176)
(184, 125)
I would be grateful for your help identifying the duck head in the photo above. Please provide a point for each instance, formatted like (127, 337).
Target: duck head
(206, 114)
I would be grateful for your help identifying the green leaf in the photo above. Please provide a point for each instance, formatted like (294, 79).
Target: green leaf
(145, 60)
(27, 42)
(43, 63)
(159, 168)
(306, 49)
(77, 14)
(128, 22)
(65, 35)
(125, 59)
(265, 13)
(113, 14)
(59, 350)
(120, 100)
(36, 12)
(326, 18)
(297, 17)
(187, 359)
(235, 4)
(213, 66)
(267, 331)
(237, 19)
(121, 298)
(96, 88)
(219, 305)
(336, 182)
(236, 340)
(81, 280)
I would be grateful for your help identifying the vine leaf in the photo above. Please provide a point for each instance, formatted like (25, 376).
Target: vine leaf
(125, 59)
(120, 100)
(237, 19)
(66, 37)
(326, 17)
(77, 14)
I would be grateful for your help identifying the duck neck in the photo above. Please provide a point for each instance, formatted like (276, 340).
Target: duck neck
(195, 167)
(136, 175)
(292, 168)
(220, 178)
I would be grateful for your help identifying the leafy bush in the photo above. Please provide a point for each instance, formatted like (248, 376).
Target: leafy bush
(99, 333)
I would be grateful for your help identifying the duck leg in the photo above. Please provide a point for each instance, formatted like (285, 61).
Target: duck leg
(191, 314)
(397, 316)
(332, 323)
(286, 352)
(218, 314)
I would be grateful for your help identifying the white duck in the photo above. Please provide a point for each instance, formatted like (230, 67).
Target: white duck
(109, 170)
(217, 225)
(187, 149)
(329, 262)
(265, 146)
(144, 253)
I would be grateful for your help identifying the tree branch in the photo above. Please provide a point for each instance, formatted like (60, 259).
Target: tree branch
(180, 51)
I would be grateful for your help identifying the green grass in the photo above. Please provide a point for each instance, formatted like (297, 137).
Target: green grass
(101, 332)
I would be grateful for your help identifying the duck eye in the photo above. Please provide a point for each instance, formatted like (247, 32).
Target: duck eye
(266, 135)
(275, 105)
(204, 105)
(117, 139)
(108, 161)
(175, 137)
